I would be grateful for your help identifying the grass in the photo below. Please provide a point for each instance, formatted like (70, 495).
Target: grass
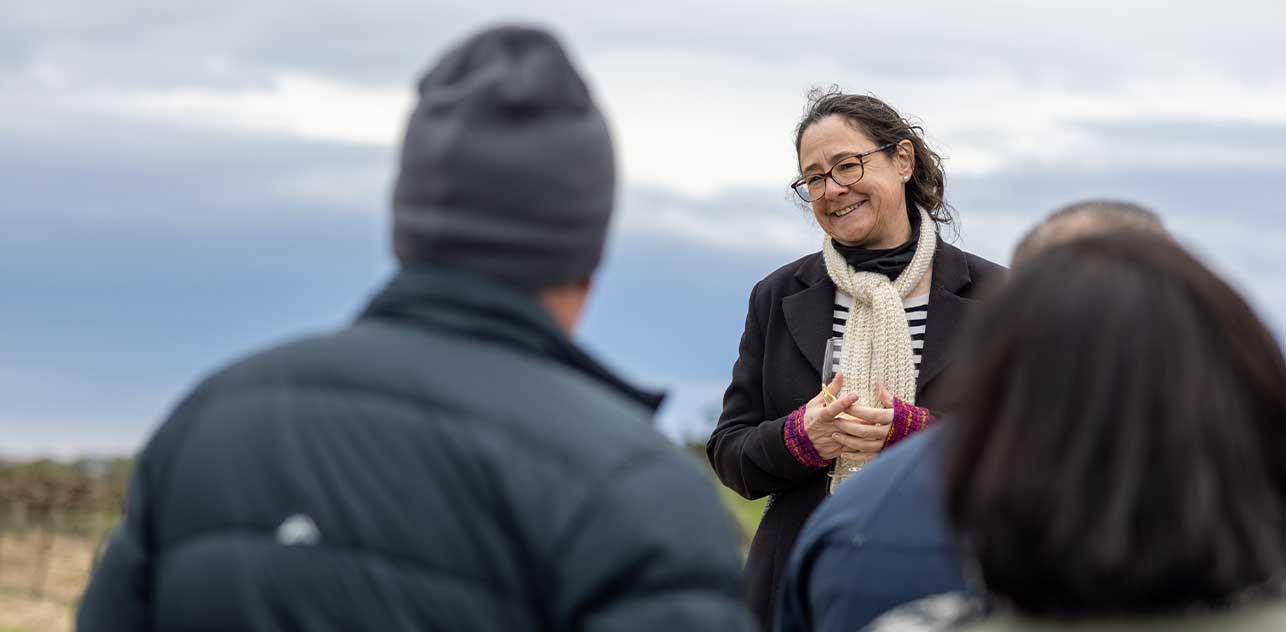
(747, 512)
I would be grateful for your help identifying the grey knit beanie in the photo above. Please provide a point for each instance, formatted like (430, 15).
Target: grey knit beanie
(507, 167)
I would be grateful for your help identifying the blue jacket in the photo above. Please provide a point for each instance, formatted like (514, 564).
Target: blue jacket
(880, 542)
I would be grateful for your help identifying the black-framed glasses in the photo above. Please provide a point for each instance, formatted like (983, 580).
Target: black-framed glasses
(845, 172)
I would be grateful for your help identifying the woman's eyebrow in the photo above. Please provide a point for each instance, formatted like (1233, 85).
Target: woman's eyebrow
(835, 157)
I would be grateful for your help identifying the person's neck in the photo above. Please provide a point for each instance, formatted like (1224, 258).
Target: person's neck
(565, 303)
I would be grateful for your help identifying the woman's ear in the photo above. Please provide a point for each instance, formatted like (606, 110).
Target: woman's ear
(904, 161)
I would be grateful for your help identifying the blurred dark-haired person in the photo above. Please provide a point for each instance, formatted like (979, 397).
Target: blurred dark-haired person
(451, 460)
(1139, 481)
(884, 299)
(882, 541)
(1089, 218)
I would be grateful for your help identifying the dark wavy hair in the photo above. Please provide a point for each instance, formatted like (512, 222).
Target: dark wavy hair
(1120, 442)
(882, 124)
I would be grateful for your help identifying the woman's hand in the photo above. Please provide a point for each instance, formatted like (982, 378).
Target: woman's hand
(863, 438)
(820, 422)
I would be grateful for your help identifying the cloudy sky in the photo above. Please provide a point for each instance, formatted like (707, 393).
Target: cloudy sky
(184, 182)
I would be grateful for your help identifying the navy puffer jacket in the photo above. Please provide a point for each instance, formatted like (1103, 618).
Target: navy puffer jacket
(448, 462)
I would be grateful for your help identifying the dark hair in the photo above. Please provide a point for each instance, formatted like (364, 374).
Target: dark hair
(1120, 445)
(1085, 219)
(883, 124)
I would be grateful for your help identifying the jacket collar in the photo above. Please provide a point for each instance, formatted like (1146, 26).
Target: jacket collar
(470, 305)
(809, 311)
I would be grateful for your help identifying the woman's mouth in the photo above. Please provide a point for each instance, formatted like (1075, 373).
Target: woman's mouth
(847, 209)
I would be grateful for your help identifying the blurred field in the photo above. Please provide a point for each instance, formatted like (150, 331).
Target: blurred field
(30, 602)
(52, 518)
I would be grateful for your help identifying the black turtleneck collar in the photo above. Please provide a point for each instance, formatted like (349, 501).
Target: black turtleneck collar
(887, 261)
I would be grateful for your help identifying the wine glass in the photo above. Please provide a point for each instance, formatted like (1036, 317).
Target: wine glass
(830, 359)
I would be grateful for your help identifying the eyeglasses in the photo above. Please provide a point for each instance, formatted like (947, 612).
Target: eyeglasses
(846, 172)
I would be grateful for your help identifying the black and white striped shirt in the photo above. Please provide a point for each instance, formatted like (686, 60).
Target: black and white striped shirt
(917, 314)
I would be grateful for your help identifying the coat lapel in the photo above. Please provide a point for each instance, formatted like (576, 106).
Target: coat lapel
(810, 313)
(947, 311)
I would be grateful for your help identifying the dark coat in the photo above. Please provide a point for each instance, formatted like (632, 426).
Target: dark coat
(880, 542)
(778, 370)
(451, 461)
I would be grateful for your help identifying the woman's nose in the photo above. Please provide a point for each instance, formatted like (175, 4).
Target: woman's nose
(833, 188)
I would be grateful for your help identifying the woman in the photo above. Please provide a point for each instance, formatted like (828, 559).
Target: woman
(884, 284)
(1119, 458)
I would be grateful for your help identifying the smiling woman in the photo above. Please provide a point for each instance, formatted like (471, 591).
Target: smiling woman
(858, 309)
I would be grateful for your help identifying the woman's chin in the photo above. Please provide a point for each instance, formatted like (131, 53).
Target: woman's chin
(853, 229)
(849, 237)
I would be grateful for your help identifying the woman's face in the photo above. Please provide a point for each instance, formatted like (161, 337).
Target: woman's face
(871, 212)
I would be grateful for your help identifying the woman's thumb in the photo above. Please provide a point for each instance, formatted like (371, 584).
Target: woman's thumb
(886, 398)
(836, 384)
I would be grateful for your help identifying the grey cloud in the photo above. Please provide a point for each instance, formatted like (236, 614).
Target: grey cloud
(1221, 137)
(233, 45)
(1225, 192)
(108, 169)
(751, 202)
(137, 254)
(385, 42)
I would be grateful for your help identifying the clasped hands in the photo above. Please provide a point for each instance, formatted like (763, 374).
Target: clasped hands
(839, 428)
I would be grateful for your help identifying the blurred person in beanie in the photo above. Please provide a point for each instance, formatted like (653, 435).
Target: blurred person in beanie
(451, 460)
(883, 540)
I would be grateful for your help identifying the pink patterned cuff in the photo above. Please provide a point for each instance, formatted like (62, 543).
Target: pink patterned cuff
(797, 441)
(907, 420)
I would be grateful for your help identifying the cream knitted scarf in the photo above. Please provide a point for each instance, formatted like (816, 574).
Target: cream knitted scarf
(877, 344)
